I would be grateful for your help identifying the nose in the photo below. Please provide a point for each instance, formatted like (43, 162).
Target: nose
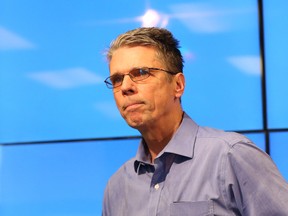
(128, 85)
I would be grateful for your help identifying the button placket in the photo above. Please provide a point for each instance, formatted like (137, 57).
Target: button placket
(155, 188)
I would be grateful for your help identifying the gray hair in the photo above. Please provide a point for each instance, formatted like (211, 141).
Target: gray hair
(167, 47)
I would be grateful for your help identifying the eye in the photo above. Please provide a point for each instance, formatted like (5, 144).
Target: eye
(143, 71)
(116, 79)
(140, 72)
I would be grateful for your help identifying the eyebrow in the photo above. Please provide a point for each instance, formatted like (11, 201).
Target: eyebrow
(119, 73)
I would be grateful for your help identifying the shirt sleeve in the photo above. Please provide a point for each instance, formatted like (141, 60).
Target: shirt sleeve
(253, 183)
(105, 205)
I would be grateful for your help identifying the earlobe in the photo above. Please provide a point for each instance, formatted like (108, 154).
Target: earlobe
(180, 84)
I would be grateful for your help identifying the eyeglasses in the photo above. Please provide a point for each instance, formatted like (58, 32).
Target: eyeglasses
(136, 74)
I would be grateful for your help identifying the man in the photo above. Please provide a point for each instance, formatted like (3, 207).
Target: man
(180, 168)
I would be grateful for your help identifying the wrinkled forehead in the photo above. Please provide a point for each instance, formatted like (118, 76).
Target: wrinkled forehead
(114, 48)
(156, 51)
(124, 59)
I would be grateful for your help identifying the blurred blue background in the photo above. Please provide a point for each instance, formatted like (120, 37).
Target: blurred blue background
(60, 132)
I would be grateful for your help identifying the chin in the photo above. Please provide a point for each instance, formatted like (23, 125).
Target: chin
(134, 122)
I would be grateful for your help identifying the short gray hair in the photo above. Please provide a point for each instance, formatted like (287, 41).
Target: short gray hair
(167, 47)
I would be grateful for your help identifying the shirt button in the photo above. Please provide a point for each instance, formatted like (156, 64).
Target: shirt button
(156, 186)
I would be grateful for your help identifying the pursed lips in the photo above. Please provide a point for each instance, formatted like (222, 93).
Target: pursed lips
(132, 104)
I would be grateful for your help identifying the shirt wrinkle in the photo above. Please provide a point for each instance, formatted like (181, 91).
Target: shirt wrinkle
(184, 149)
(200, 169)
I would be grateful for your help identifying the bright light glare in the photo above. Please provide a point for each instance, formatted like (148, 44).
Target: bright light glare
(152, 19)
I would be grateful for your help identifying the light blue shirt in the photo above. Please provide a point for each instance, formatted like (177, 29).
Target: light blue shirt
(201, 171)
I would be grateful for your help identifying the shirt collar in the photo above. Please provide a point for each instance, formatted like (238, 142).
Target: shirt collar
(182, 143)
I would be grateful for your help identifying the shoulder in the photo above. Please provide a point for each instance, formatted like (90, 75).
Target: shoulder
(115, 190)
(235, 151)
(220, 137)
(209, 134)
(124, 172)
(230, 145)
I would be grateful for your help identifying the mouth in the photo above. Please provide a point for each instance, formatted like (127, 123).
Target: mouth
(132, 106)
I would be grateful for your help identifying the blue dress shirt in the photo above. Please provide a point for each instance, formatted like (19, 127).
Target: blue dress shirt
(201, 171)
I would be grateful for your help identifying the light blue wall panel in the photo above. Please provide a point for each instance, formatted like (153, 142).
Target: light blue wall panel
(59, 179)
(276, 46)
(52, 65)
(279, 151)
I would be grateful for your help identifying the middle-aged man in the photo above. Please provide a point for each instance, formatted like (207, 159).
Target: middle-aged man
(180, 168)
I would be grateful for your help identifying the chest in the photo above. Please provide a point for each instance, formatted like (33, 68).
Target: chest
(187, 186)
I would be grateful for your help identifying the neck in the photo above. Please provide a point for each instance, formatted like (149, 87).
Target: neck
(159, 135)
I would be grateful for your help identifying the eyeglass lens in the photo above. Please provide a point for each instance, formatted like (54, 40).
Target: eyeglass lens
(136, 74)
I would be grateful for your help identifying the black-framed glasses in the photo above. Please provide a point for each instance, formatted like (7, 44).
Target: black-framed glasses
(136, 74)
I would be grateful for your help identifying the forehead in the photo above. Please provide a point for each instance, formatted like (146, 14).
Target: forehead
(126, 58)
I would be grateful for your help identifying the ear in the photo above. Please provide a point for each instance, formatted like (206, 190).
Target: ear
(179, 84)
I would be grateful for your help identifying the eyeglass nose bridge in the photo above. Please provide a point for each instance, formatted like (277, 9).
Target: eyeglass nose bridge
(123, 78)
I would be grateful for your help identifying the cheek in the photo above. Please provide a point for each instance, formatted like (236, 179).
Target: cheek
(158, 101)
(117, 101)
(163, 98)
